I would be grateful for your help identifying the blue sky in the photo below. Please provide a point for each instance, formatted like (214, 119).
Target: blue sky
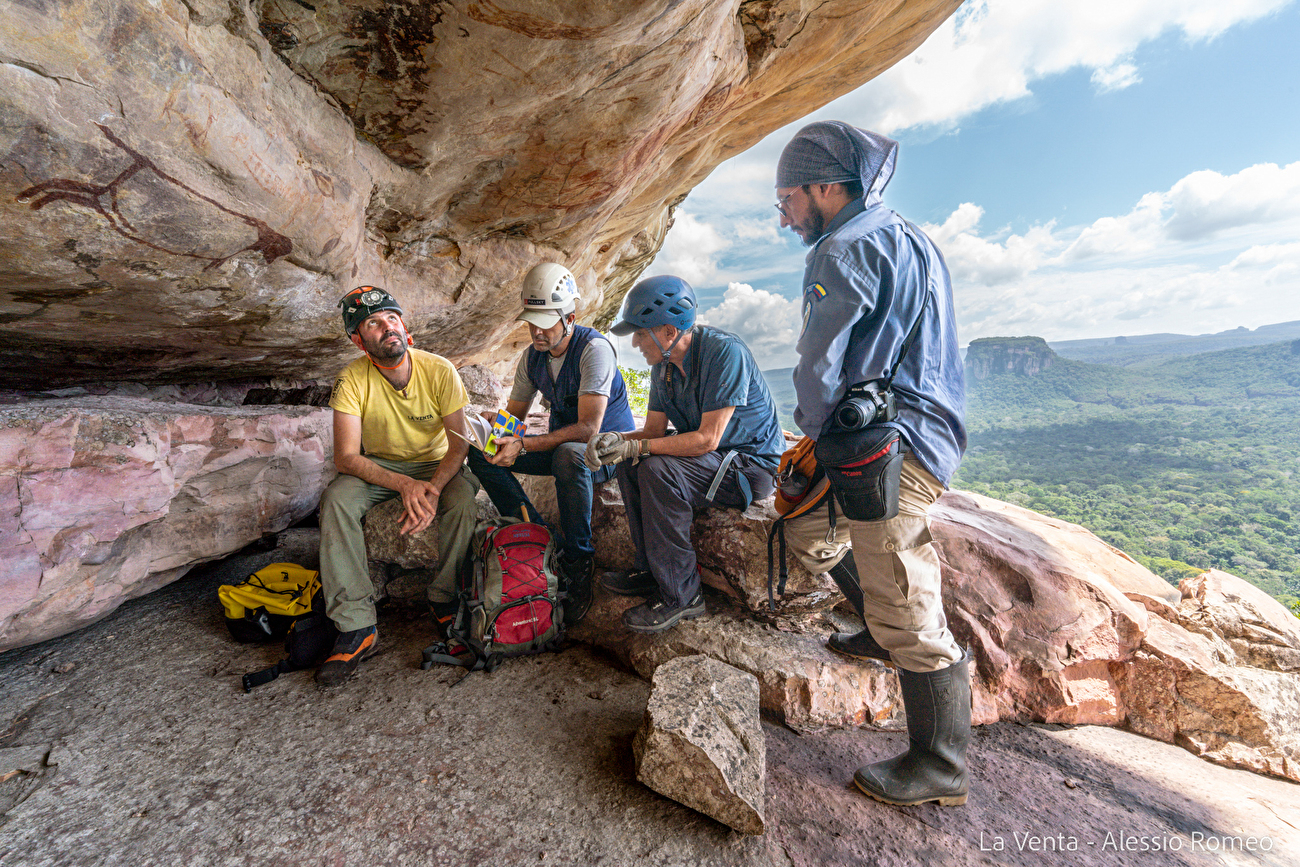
(1089, 169)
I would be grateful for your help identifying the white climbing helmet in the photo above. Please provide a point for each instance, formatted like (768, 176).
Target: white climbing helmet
(550, 293)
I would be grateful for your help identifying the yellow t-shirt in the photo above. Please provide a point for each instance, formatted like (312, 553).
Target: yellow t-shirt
(403, 425)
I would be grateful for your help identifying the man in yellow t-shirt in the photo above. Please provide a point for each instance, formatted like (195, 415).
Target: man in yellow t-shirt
(391, 411)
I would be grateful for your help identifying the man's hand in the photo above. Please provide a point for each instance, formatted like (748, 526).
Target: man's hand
(508, 449)
(610, 448)
(419, 503)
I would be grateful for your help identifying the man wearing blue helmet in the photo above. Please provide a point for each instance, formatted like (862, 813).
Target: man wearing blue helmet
(878, 308)
(728, 443)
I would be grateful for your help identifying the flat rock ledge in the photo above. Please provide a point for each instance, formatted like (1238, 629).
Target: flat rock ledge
(1063, 629)
(701, 743)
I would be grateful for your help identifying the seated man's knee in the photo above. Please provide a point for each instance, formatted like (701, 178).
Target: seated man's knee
(569, 461)
(344, 495)
(457, 497)
(658, 473)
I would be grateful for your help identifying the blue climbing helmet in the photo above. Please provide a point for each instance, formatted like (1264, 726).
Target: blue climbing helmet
(663, 300)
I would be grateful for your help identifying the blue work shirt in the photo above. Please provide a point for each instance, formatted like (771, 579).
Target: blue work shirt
(865, 282)
(721, 372)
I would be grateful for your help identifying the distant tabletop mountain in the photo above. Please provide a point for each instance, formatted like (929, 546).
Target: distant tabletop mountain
(1150, 348)
(1010, 375)
(1026, 356)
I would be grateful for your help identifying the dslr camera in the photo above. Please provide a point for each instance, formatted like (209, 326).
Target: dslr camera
(866, 403)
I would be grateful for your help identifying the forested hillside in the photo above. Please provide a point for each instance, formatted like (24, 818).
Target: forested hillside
(1184, 464)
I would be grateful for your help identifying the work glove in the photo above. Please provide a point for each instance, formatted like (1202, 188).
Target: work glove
(610, 448)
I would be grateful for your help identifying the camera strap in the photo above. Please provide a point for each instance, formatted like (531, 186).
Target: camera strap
(908, 230)
(907, 344)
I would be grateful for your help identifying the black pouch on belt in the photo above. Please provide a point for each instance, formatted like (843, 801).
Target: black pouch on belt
(864, 467)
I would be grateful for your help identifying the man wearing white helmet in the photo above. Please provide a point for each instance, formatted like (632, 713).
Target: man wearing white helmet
(575, 370)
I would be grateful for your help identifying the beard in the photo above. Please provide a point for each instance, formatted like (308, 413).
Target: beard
(383, 350)
(813, 229)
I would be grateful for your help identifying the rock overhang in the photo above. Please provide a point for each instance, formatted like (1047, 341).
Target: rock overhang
(188, 188)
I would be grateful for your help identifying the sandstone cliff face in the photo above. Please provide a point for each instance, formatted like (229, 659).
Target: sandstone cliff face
(1022, 356)
(188, 187)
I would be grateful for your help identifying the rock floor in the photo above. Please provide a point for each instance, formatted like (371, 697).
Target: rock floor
(131, 742)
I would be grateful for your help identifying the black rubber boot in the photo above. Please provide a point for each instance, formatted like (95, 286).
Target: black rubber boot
(861, 645)
(938, 731)
(846, 578)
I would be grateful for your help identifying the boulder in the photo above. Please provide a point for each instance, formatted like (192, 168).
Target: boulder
(1045, 606)
(801, 683)
(105, 499)
(701, 742)
(1063, 628)
(1258, 628)
(233, 168)
(731, 547)
(401, 565)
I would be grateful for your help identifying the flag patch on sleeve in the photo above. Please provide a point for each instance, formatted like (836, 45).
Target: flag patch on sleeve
(818, 290)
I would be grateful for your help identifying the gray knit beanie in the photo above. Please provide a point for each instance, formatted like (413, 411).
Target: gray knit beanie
(832, 152)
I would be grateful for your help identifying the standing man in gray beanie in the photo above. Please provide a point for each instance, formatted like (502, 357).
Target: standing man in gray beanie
(877, 296)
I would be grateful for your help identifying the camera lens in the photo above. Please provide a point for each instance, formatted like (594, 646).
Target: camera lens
(854, 414)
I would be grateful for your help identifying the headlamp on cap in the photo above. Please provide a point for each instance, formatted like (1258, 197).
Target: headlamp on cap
(363, 302)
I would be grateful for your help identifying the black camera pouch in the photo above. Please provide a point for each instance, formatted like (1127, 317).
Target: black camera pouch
(864, 467)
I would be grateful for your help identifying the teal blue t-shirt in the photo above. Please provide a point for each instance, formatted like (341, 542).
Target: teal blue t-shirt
(721, 372)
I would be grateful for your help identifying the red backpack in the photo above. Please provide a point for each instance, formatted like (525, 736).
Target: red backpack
(509, 603)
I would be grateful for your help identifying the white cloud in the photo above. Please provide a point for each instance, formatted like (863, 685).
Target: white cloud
(757, 230)
(690, 251)
(1213, 249)
(981, 260)
(1258, 204)
(1116, 77)
(990, 51)
(767, 322)
(1205, 203)
(1200, 207)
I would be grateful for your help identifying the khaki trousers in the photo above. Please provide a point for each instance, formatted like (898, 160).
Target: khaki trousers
(898, 568)
(344, 571)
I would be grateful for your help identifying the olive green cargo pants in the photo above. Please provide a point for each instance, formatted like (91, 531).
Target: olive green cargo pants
(344, 572)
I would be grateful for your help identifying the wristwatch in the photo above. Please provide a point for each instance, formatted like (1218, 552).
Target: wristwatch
(645, 449)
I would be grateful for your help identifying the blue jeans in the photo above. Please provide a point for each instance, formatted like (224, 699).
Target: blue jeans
(573, 487)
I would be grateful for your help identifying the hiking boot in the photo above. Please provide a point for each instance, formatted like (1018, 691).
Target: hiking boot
(656, 615)
(630, 582)
(577, 574)
(938, 732)
(859, 645)
(349, 649)
(443, 615)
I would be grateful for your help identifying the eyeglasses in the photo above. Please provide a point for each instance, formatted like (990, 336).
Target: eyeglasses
(780, 206)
